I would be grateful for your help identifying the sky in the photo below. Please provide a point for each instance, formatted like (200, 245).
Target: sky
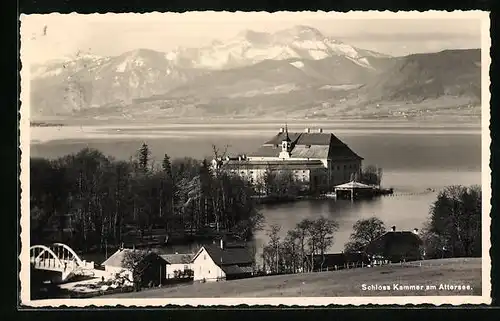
(53, 36)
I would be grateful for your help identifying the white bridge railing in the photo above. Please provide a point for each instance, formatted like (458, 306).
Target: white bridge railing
(59, 257)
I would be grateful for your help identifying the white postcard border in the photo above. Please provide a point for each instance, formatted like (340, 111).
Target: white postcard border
(485, 298)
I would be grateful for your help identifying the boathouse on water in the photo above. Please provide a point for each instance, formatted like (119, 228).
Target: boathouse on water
(354, 190)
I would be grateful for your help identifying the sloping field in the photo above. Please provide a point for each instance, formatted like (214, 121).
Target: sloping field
(432, 277)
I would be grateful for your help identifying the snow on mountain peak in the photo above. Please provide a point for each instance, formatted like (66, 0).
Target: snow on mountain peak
(246, 48)
(299, 32)
(249, 47)
(255, 36)
(297, 64)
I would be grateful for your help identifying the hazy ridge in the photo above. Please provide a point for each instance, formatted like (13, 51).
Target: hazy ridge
(297, 72)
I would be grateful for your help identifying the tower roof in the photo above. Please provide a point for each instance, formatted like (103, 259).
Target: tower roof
(287, 138)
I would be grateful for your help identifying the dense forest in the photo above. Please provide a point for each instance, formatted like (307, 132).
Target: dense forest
(90, 201)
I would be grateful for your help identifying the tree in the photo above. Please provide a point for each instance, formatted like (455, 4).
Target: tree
(269, 181)
(144, 157)
(454, 226)
(273, 248)
(322, 231)
(291, 252)
(132, 262)
(371, 175)
(365, 231)
(303, 228)
(167, 166)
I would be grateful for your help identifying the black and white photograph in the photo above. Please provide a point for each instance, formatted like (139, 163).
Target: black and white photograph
(225, 158)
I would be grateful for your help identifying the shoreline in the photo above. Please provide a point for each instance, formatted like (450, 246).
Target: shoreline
(64, 121)
(84, 133)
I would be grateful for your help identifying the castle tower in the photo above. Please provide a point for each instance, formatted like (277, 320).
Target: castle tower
(286, 145)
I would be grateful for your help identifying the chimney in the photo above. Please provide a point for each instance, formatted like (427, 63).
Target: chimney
(320, 130)
(221, 244)
(307, 130)
(393, 228)
(415, 231)
(282, 130)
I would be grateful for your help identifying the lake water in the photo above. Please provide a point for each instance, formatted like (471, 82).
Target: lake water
(414, 158)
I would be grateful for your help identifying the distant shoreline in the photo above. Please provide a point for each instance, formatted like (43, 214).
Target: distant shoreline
(57, 122)
(45, 124)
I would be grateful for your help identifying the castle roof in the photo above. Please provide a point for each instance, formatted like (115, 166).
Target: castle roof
(308, 145)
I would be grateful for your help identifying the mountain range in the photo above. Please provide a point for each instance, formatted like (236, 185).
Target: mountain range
(297, 71)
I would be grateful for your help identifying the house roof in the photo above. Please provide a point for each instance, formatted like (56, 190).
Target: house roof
(227, 256)
(394, 241)
(177, 258)
(118, 258)
(352, 184)
(307, 145)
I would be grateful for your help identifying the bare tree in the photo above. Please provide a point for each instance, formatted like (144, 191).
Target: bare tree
(274, 246)
(323, 230)
(303, 228)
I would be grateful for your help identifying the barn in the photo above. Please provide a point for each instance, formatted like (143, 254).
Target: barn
(397, 246)
(150, 266)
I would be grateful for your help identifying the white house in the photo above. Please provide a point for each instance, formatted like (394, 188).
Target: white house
(176, 262)
(115, 264)
(219, 262)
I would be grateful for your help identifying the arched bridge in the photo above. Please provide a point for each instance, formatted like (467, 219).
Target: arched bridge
(59, 257)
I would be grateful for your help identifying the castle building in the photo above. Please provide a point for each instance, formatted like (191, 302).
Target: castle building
(317, 159)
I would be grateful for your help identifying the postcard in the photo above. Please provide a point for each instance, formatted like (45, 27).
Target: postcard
(226, 158)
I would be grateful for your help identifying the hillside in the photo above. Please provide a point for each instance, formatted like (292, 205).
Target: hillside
(426, 76)
(337, 283)
(297, 71)
(82, 84)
